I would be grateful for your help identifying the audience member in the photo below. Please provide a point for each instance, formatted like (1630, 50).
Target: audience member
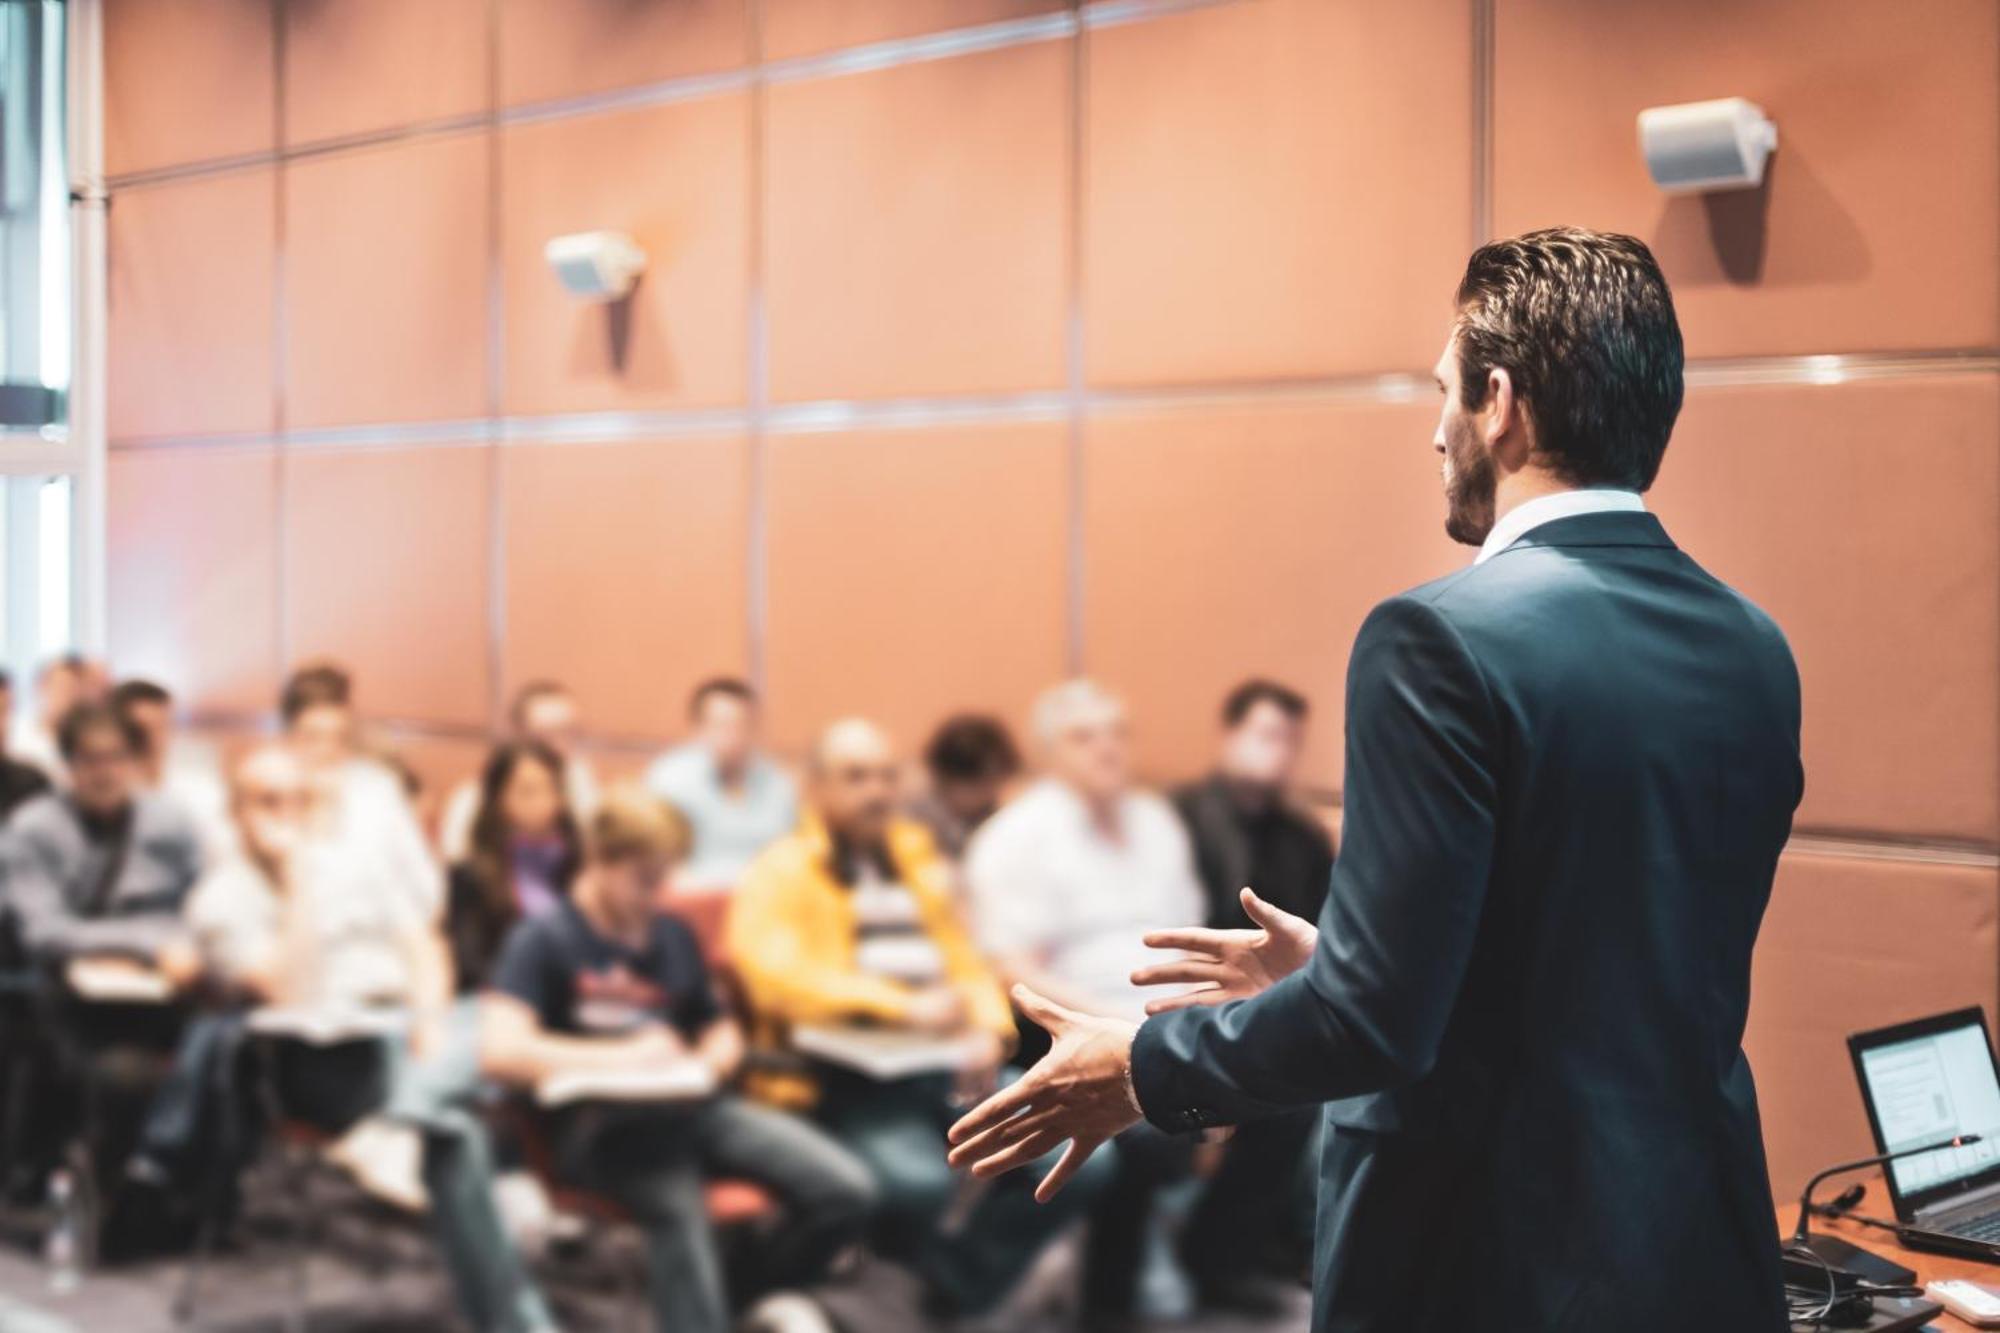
(1246, 825)
(604, 982)
(970, 760)
(523, 849)
(19, 779)
(101, 869)
(1067, 877)
(737, 800)
(851, 920)
(1254, 1218)
(185, 773)
(1064, 883)
(98, 875)
(61, 684)
(369, 811)
(543, 711)
(293, 920)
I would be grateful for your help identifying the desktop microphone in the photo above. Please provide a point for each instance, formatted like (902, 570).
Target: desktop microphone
(1880, 1159)
(1840, 1255)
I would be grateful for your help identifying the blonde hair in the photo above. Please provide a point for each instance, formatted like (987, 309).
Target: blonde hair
(631, 824)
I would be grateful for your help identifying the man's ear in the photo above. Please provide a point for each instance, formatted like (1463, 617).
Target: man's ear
(1506, 430)
(1500, 413)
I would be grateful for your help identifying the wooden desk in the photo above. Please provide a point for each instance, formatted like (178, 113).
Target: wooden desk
(1928, 1266)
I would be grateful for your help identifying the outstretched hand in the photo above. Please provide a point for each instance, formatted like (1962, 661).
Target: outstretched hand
(1080, 1092)
(1223, 965)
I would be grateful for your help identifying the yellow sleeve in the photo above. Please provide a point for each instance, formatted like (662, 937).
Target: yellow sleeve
(790, 971)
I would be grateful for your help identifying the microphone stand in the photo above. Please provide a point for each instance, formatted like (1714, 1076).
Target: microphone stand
(1842, 1256)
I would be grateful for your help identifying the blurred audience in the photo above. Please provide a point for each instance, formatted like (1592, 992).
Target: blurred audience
(19, 779)
(102, 868)
(542, 954)
(295, 921)
(61, 684)
(1248, 828)
(368, 804)
(95, 878)
(1067, 877)
(737, 800)
(969, 762)
(1064, 883)
(604, 982)
(522, 850)
(543, 711)
(851, 921)
(1254, 1220)
(189, 774)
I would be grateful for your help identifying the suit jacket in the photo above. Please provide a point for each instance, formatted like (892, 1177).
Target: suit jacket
(1291, 873)
(1570, 771)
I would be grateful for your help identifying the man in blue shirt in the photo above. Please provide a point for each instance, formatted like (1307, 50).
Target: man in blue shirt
(736, 799)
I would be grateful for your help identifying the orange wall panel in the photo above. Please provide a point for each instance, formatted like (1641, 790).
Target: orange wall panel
(190, 296)
(676, 178)
(1850, 944)
(1866, 518)
(913, 573)
(627, 573)
(914, 227)
(385, 283)
(352, 66)
(186, 80)
(565, 48)
(1223, 543)
(191, 573)
(386, 570)
(1876, 229)
(803, 27)
(1275, 188)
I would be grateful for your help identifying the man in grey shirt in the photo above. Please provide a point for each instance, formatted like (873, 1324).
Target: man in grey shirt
(102, 868)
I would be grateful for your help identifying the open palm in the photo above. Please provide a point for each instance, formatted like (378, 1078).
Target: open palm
(1224, 965)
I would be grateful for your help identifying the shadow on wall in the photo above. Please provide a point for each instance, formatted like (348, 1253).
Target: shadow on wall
(1718, 239)
(604, 332)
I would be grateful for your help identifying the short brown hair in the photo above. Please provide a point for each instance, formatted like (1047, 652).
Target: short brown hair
(632, 824)
(1583, 323)
(314, 686)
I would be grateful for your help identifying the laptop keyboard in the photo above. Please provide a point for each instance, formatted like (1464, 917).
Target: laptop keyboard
(1985, 1228)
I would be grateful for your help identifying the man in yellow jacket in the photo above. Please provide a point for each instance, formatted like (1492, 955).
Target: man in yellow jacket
(851, 923)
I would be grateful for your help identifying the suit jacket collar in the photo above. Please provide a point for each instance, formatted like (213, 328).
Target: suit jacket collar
(1606, 529)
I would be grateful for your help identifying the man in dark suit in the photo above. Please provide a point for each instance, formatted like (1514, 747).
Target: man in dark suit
(1570, 770)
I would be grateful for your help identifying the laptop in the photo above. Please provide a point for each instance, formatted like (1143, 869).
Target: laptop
(1927, 1081)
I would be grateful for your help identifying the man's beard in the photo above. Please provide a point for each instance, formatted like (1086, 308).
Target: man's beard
(1469, 491)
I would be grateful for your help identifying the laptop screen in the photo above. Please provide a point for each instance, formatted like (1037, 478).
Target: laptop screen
(1931, 1087)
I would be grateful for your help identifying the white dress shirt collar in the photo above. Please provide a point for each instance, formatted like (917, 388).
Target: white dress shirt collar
(1514, 524)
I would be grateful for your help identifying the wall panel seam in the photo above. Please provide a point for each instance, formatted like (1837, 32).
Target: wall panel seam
(836, 416)
(863, 58)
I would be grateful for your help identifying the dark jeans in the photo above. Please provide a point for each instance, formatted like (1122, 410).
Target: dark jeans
(1149, 1159)
(333, 1088)
(653, 1159)
(970, 1241)
(1252, 1218)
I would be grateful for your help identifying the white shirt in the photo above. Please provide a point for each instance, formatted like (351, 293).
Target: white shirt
(1514, 524)
(1044, 881)
(373, 822)
(342, 934)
